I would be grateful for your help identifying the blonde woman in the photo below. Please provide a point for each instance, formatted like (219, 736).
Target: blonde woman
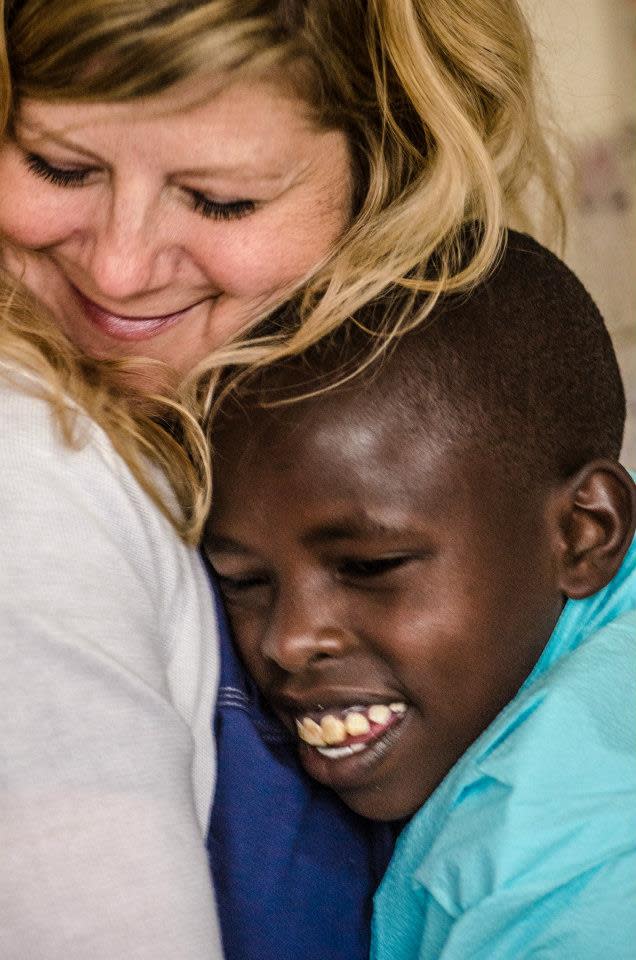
(171, 173)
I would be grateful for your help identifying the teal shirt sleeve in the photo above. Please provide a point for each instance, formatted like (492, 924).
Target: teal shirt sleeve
(591, 917)
(528, 848)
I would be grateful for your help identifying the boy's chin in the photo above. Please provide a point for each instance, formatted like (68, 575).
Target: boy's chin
(383, 779)
(384, 803)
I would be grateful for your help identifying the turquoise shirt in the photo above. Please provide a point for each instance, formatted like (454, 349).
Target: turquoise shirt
(527, 849)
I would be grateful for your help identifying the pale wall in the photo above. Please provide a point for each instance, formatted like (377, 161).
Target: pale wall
(588, 53)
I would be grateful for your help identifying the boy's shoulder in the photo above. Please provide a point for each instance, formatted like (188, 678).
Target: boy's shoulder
(530, 841)
(548, 792)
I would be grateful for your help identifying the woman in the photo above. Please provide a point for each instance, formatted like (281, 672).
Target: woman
(171, 173)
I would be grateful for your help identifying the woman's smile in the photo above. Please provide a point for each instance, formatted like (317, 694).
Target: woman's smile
(132, 328)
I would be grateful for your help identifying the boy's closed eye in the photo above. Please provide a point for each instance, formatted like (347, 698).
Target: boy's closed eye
(371, 569)
(241, 582)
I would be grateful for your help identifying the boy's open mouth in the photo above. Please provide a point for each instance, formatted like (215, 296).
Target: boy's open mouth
(341, 732)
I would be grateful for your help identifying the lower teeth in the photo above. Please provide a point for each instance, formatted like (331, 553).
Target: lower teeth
(335, 753)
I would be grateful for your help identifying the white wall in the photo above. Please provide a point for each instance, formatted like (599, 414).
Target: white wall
(587, 49)
(588, 55)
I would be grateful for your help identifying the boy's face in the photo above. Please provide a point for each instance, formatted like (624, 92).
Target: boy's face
(388, 593)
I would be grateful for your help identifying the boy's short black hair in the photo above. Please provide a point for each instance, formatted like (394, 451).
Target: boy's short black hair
(522, 366)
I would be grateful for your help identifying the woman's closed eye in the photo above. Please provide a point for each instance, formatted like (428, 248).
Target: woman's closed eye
(77, 177)
(60, 176)
(220, 210)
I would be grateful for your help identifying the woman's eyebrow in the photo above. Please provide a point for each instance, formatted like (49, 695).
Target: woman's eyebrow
(247, 169)
(43, 133)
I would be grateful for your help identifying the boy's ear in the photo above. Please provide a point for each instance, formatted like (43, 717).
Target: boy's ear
(596, 518)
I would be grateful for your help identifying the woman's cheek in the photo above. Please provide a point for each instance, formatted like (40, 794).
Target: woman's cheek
(283, 241)
(259, 258)
(34, 214)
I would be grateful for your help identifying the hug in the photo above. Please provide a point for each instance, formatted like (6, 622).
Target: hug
(208, 207)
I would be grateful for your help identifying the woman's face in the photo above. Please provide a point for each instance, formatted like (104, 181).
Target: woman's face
(159, 229)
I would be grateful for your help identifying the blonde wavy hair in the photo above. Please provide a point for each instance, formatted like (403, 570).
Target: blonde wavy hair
(437, 99)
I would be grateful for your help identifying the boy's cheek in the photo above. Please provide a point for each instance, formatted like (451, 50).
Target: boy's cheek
(247, 639)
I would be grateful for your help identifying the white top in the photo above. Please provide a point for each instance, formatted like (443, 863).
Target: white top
(108, 672)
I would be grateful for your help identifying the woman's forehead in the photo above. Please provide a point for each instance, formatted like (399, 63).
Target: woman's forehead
(251, 126)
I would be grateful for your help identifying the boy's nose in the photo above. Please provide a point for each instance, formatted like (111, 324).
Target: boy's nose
(303, 632)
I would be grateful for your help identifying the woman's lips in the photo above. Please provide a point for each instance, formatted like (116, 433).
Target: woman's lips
(126, 327)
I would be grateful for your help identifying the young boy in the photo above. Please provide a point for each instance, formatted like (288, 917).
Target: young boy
(430, 574)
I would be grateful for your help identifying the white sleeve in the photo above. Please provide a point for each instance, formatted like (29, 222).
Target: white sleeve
(102, 854)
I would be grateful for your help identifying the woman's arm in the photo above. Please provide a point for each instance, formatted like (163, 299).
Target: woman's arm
(105, 681)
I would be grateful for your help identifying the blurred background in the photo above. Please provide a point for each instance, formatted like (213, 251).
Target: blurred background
(587, 50)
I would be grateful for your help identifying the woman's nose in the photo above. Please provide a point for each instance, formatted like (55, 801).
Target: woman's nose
(128, 255)
(303, 631)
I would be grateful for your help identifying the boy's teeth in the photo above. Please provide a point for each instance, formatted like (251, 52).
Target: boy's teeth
(356, 724)
(379, 713)
(335, 753)
(310, 732)
(333, 730)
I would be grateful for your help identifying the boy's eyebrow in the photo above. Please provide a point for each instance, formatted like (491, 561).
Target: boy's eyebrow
(349, 529)
(225, 545)
(352, 529)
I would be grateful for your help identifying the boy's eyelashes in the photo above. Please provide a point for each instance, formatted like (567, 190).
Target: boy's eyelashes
(238, 583)
(350, 569)
(365, 569)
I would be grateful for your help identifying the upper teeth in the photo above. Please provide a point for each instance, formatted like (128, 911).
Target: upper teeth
(333, 730)
(379, 713)
(311, 732)
(356, 723)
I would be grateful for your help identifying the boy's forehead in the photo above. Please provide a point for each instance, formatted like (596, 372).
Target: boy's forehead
(330, 425)
(358, 444)
(392, 491)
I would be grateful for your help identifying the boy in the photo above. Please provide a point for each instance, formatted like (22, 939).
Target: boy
(430, 574)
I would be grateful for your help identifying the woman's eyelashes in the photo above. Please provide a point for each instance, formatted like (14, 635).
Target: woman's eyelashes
(77, 177)
(217, 210)
(60, 176)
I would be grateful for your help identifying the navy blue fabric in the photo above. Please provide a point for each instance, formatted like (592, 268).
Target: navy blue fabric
(294, 869)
